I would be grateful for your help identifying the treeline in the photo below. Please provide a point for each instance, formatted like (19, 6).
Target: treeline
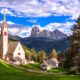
(39, 56)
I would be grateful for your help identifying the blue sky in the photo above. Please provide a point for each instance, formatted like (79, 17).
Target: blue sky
(46, 14)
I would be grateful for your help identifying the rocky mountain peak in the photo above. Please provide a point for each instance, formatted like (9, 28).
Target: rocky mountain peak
(35, 31)
(56, 34)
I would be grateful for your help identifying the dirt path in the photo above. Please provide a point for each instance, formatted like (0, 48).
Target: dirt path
(43, 72)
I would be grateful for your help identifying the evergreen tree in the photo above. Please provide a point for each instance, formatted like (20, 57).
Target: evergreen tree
(73, 55)
(53, 54)
(34, 54)
(28, 54)
(41, 56)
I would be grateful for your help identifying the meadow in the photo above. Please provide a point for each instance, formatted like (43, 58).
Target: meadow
(8, 72)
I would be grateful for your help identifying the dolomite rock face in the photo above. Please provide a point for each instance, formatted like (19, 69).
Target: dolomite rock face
(55, 35)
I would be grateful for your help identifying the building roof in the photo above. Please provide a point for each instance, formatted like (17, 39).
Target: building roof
(12, 47)
(52, 62)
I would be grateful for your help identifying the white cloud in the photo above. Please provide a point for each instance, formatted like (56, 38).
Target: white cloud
(64, 27)
(32, 21)
(8, 22)
(25, 32)
(14, 31)
(34, 8)
(7, 12)
(1, 22)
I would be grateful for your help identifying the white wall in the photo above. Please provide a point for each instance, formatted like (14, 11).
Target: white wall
(20, 50)
(5, 42)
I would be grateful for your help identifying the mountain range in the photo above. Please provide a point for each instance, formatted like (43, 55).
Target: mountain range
(46, 44)
(55, 35)
(45, 40)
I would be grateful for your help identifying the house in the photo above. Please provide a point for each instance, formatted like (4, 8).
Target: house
(49, 64)
(10, 51)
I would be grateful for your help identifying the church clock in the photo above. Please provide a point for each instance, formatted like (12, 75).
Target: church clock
(5, 33)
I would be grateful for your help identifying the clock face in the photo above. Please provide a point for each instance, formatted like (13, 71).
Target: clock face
(5, 33)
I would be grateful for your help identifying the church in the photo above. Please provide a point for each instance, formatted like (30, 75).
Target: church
(11, 51)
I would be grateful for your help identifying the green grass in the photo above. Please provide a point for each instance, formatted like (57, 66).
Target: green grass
(35, 66)
(57, 70)
(6, 68)
(8, 72)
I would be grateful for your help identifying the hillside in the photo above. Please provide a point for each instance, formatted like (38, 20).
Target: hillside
(8, 72)
(46, 44)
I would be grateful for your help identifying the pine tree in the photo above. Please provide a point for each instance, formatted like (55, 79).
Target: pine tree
(53, 54)
(73, 55)
(34, 54)
(41, 56)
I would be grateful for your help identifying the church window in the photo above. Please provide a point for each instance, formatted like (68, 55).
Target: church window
(18, 53)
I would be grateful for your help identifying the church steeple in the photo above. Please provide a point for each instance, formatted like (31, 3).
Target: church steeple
(4, 15)
(4, 35)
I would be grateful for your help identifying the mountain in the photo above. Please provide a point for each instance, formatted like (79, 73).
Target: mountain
(46, 40)
(39, 43)
(35, 32)
(46, 44)
(55, 35)
(16, 38)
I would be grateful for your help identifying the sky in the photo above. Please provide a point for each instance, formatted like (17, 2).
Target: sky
(46, 14)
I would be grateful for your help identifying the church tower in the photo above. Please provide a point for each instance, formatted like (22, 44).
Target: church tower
(4, 36)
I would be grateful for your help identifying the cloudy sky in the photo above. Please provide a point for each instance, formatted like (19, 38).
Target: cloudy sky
(47, 14)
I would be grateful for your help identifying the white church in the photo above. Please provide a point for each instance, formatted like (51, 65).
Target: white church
(10, 51)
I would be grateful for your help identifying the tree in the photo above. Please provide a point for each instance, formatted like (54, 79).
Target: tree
(28, 55)
(53, 54)
(73, 55)
(41, 56)
(34, 54)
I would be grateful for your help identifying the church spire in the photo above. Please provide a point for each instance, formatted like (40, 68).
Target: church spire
(4, 15)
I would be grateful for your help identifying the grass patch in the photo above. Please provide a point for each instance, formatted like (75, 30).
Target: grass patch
(57, 70)
(8, 72)
(4, 67)
(34, 66)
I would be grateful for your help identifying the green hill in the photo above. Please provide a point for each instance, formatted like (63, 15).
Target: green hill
(8, 72)
(6, 68)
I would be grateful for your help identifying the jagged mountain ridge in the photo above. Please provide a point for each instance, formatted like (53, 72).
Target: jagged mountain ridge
(56, 34)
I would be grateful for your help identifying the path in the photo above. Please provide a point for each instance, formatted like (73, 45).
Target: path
(43, 72)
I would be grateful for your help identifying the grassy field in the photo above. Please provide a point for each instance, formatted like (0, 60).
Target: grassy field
(8, 72)
(35, 66)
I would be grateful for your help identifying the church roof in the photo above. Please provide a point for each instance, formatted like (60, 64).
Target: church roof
(12, 47)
